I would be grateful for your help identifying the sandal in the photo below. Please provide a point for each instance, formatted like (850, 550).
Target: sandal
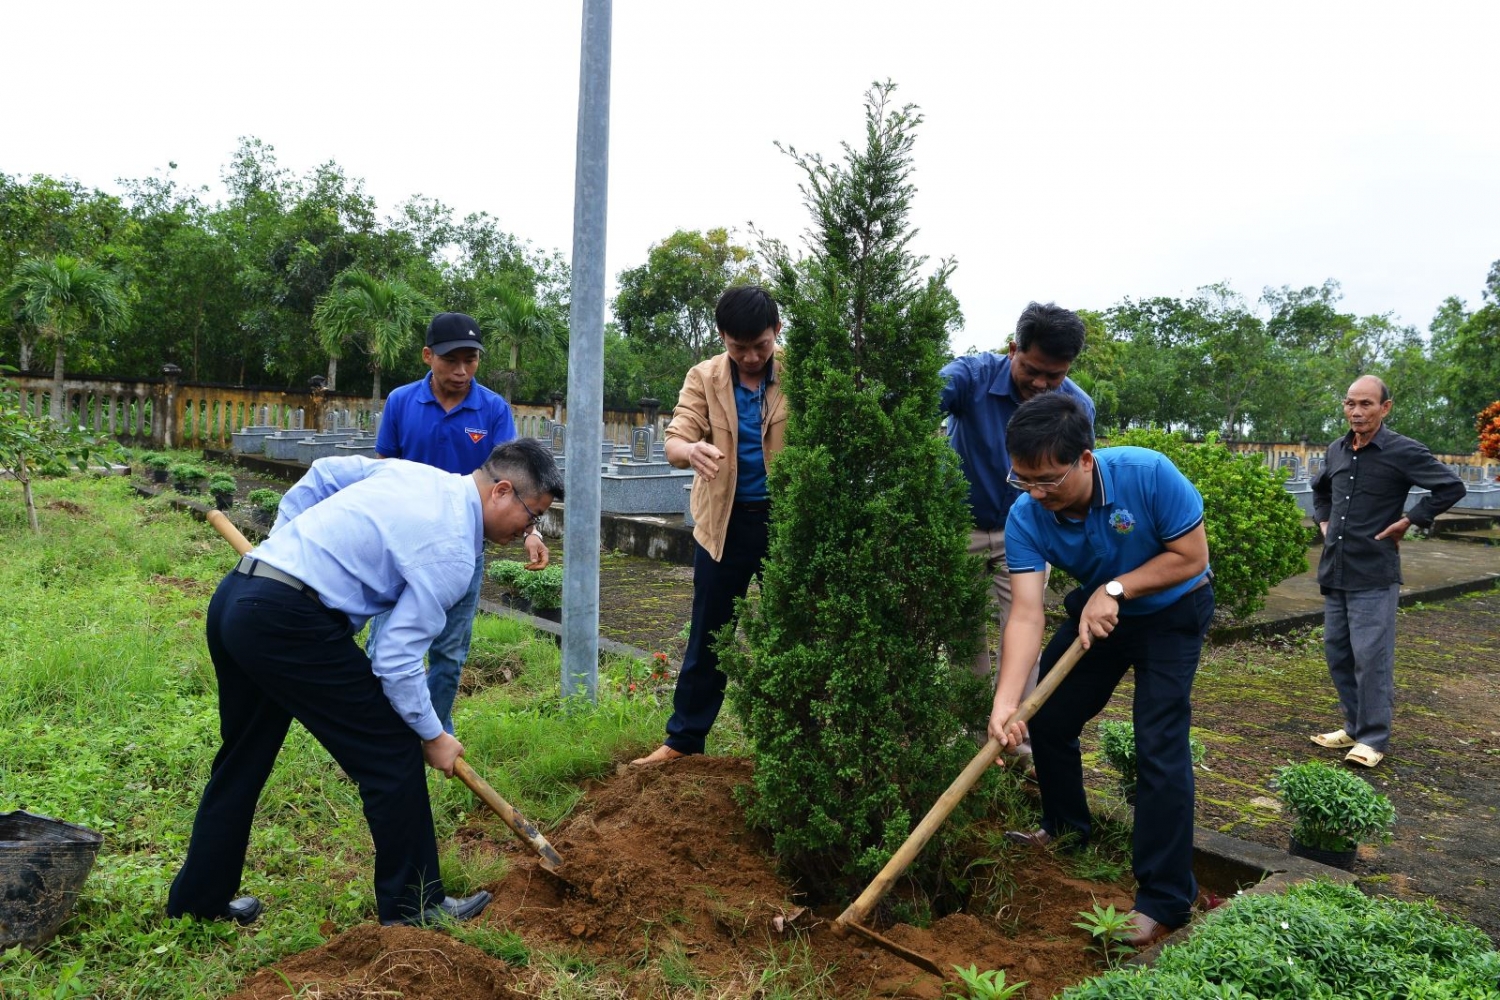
(1364, 756)
(1336, 740)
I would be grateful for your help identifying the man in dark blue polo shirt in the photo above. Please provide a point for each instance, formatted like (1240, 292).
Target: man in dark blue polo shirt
(1129, 527)
(982, 393)
(450, 421)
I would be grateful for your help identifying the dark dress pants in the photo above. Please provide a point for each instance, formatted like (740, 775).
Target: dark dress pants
(716, 586)
(280, 655)
(1163, 649)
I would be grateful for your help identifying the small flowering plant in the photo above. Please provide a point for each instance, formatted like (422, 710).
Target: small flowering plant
(660, 672)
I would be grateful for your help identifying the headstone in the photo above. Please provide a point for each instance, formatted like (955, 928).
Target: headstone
(297, 417)
(559, 438)
(640, 445)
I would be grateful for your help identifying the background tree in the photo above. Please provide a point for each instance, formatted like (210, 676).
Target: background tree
(670, 299)
(846, 678)
(60, 298)
(1470, 348)
(29, 445)
(512, 318)
(383, 318)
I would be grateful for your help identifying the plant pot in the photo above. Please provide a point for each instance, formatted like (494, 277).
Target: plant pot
(1333, 859)
(223, 501)
(158, 475)
(262, 517)
(549, 614)
(516, 602)
(43, 865)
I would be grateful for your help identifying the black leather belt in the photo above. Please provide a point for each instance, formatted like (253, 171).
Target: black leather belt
(254, 567)
(754, 506)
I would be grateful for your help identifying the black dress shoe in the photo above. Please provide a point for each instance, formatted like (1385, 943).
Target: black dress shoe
(449, 909)
(245, 910)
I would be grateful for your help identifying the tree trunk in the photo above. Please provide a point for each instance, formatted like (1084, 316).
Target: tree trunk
(375, 392)
(24, 475)
(333, 374)
(25, 357)
(56, 409)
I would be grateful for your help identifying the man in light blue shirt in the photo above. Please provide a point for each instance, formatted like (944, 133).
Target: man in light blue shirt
(354, 538)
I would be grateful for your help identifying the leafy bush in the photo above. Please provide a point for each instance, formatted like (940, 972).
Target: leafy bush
(189, 476)
(1117, 743)
(267, 501)
(1318, 940)
(156, 461)
(1256, 537)
(543, 587)
(1334, 809)
(221, 482)
(506, 573)
(852, 679)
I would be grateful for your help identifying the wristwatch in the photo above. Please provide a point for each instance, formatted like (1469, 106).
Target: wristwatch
(1115, 589)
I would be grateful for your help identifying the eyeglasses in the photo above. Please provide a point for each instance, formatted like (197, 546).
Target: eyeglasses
(536, 519)
(1026, 486)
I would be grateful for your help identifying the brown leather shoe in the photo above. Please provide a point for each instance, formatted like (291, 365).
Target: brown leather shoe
(1144, 931)
(660, 755)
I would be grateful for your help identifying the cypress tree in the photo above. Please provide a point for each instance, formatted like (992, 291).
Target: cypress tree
(852, 677)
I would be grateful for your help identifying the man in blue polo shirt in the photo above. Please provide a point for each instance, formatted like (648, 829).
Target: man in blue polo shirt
(451, 422)
(1129, 527)
(981, 393)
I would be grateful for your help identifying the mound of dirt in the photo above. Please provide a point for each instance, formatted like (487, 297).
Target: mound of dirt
(658, 862)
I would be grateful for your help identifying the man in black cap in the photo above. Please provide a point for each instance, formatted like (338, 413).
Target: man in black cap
(450, 421)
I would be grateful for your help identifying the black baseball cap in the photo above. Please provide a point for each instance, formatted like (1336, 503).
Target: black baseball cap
(452, 332)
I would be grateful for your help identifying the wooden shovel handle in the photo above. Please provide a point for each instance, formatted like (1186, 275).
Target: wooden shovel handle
(907, 852)
(225, 527)
(522, 826)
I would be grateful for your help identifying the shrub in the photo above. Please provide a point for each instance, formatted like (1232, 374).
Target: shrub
(221, 483)
(1333, 808)
(1117, 744)
(156, 461)
(1487, 425)
(189, 476)
(268, 502)
(1319, 939)
(1256, 537)
(543, 588)
(506, 573)
(852, 679)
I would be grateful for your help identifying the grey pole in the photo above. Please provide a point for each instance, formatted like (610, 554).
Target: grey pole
(580, 618)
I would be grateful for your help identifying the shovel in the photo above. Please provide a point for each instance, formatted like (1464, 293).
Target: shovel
(851, 918)
(522, 826)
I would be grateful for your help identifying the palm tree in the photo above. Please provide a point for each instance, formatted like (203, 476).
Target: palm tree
(380, 316)
(61, 297)
(503, 311)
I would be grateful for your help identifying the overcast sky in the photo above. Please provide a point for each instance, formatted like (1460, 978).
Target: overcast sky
(1076, 152)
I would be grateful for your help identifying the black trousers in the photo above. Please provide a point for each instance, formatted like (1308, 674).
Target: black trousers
(716, 586)
(1163, 649)
(280, 655)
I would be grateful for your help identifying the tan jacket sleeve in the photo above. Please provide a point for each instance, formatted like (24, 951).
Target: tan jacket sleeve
(690, 416)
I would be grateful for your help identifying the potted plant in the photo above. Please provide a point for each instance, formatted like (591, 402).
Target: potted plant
(543, 588)
(1334, 811)
(159, 465)
(506, 574)
(1117, 744)
(222, 485)
(263, 506)
(188, 477)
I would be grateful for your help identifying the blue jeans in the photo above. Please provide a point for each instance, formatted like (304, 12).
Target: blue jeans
(1359, 641)
(446, 655)
(1162, 648)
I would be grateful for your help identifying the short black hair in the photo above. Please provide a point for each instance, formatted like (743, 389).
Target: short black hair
(526, 464)
(1053, 425)
(745, 312)
(1051, 329)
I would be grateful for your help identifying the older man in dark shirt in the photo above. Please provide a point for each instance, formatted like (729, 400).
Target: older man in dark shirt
(1358, 501)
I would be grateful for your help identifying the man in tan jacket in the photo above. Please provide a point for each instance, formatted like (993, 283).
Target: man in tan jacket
(728, 426)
